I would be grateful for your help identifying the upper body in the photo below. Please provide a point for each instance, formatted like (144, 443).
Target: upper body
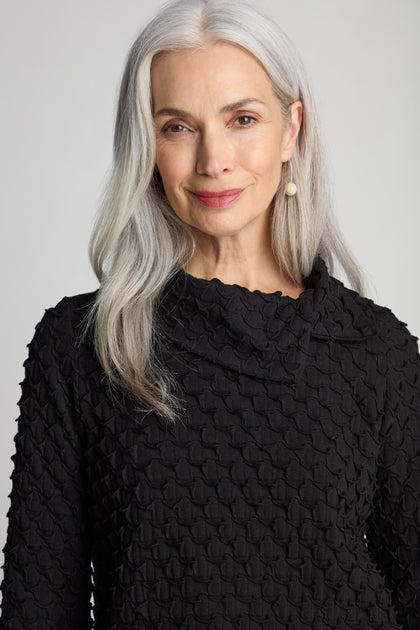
(234, 442)
(285, 498)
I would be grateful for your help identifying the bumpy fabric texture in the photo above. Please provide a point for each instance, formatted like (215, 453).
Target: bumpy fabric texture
(287, 498)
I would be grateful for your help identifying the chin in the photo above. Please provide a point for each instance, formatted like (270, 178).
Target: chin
(220, 228)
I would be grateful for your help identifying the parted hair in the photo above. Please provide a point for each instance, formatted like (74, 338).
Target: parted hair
(138, 242)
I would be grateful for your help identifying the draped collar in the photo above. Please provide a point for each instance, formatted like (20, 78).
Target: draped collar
(262, 334)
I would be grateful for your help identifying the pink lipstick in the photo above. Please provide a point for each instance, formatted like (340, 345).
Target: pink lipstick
(219, 199)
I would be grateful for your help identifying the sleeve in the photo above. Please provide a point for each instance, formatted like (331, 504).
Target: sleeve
(47, 569)
(393, 535)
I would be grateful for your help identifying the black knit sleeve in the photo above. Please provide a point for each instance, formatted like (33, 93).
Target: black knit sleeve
(47, 575)
(394, 530)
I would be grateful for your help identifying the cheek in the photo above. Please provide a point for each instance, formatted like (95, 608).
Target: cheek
(263, 157)
(173, 166)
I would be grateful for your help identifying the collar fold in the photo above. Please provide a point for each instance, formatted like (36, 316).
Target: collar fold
(264, 335)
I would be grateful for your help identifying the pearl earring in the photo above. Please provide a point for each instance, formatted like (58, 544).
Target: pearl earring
(290, 186)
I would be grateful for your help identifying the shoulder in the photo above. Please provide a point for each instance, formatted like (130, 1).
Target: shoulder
(75, 307)
(65, 322)
(56, 349)
(380, 323)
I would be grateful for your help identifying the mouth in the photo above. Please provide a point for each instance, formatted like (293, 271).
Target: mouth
(218, 199)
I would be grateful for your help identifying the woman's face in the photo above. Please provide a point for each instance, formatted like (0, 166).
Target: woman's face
(220, 138)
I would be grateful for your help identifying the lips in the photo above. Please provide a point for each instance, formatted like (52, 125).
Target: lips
(218, 199)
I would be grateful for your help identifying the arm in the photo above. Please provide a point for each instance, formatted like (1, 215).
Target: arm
(394, 529)
(47, 576)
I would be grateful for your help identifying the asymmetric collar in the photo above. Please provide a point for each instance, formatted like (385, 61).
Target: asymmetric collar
(262, 334)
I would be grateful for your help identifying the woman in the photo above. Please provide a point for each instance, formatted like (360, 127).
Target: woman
(224, 432)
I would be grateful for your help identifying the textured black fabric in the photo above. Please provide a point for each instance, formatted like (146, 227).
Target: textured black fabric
(286, 499)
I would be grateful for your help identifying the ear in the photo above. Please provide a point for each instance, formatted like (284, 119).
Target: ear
(292, 130)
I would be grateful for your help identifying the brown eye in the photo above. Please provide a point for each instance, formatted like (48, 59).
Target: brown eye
(245, 121)
(175, 129)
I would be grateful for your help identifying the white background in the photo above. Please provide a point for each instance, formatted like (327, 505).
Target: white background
(61, 63)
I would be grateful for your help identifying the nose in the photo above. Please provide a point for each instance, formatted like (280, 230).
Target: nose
(215, 154)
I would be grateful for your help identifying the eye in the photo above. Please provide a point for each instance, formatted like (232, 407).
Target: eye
(245, 121)
(176, 128)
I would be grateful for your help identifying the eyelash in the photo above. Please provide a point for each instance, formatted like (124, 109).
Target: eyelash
(170, 127)
(252, 122)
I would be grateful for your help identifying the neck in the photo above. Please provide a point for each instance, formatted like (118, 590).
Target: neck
(248, 262)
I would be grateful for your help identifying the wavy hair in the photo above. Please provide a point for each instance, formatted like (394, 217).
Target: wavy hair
(138, 242)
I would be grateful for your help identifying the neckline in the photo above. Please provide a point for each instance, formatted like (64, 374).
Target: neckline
(204, 282)
(263, 335)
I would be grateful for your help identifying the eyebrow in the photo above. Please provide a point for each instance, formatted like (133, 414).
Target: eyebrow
(173, 111)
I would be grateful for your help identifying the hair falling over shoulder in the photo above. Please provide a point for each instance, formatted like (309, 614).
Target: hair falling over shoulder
(138, 242)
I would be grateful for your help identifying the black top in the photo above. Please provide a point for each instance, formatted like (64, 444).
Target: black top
(286, 499)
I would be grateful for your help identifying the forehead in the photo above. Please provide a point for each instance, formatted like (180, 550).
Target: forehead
(218, 72)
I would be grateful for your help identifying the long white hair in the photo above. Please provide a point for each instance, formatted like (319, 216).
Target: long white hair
(138, 241)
